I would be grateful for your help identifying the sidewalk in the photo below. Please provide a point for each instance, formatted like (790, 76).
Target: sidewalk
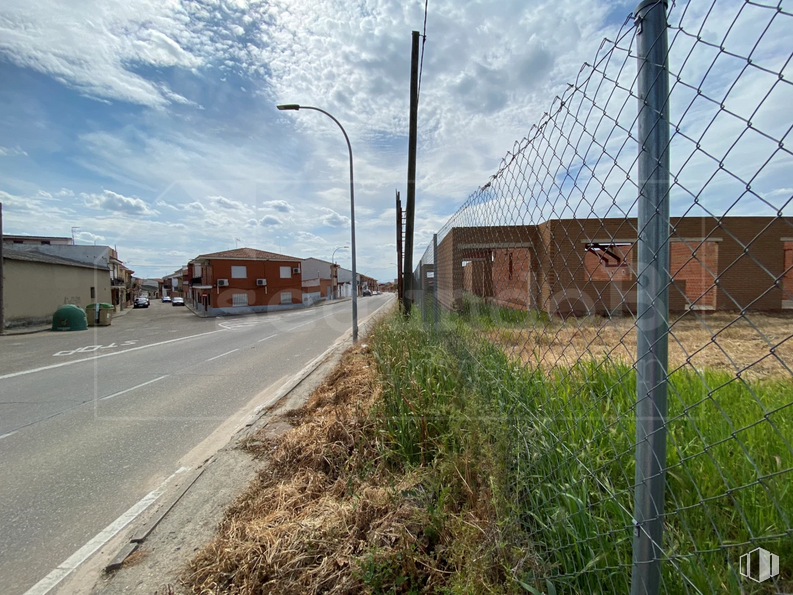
(201, 314)
(40, 328)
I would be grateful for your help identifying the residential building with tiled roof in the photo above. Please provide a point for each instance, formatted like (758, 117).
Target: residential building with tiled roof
(244, 280)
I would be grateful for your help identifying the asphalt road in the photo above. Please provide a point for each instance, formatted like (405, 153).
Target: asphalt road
(92, 421)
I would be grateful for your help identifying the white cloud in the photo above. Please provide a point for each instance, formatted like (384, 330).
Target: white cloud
(270, 221)
(88, 237)
(96, 46)
(195, 206)
(12, 152)
(64, 192)
(305, 236)
(278, 205)
(226, 203)
(112, 201)
(333, 219)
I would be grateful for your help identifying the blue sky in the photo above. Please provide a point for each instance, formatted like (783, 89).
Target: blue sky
(151, 125)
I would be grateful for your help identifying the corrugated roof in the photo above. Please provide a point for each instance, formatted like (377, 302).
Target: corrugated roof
(36, 256)
(248, 253)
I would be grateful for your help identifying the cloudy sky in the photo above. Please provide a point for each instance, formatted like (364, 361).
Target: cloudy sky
(151, 124)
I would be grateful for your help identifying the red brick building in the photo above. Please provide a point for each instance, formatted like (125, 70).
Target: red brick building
(589, 265)
(244, 280)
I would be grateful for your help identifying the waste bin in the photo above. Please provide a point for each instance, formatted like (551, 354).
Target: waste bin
(69, 318)
(99, 314)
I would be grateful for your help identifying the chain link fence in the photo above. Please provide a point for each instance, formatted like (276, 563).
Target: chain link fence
(624, 281)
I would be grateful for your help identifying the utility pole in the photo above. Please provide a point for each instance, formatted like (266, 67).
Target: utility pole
(411, 201)
(2, 310)
(399, 248)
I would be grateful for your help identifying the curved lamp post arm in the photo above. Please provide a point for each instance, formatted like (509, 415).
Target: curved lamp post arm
(297, 107)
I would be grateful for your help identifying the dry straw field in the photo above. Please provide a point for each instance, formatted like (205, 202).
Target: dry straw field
(759, 346)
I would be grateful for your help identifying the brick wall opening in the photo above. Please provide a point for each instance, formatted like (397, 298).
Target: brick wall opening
(787, 276)
(609, 262)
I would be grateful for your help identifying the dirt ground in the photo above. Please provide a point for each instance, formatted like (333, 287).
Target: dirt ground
(758, 345)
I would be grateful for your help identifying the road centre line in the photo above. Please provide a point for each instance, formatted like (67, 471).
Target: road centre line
(95, 357)
(64, 569)
(8, 434)
(133, 388)
(221, 355)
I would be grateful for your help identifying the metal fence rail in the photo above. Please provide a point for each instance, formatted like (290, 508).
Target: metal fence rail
(632, 263)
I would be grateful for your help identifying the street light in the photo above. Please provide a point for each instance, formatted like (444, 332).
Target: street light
(296, 107)
(333, 256)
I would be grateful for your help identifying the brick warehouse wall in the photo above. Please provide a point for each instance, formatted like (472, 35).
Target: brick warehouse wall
(468, 243)
(559, 274)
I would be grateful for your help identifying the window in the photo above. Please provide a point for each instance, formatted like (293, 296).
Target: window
(93, 292)
(286, 296)
(197, 270)
(239, 272)
(286, 273)
(239, 299)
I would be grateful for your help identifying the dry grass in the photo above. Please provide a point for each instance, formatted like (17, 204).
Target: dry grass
(758, 345)
(326, 515)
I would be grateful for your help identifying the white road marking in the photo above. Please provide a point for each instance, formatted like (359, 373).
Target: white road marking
(133, 388)
(64, 569)
(221, 355)
(9, 434)
(270, 337)
(95, 357)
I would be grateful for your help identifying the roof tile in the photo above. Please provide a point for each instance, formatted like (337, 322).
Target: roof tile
(251, 253)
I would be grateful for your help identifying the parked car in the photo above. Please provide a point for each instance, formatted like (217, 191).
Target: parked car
(366, 292)
(166, 299)
(141, 302)
(177, 301)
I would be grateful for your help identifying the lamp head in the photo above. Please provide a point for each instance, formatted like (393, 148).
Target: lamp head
(289, 106)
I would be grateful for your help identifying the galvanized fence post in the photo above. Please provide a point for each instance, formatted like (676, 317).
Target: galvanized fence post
(653, 295)
(435, 279)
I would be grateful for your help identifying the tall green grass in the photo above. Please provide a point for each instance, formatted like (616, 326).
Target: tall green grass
(568, 463)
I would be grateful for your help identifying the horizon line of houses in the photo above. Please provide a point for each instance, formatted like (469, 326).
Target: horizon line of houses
(44, 272)
(248, 279)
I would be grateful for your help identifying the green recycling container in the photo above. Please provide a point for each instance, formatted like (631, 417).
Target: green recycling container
(69, 318)
(99, 314)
